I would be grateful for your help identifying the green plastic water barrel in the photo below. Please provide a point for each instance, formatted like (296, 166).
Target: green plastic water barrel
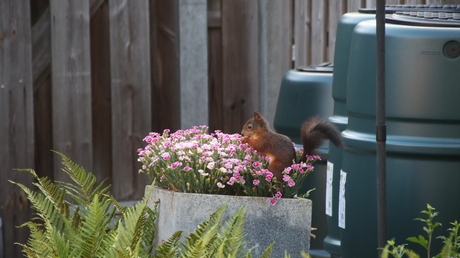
(306, 92)
(339, 117)
(423, 126)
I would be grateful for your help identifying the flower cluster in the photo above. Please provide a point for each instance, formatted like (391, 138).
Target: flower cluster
(197, 162)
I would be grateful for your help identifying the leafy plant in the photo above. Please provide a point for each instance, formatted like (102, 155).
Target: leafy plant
(210, 239)
(64, 229)
(451, 244)
(74, 220)
(429, 228)
(196, 162)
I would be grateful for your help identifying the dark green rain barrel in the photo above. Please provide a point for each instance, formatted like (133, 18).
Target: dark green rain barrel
(339, 117)
(306, 92)
(423, 130)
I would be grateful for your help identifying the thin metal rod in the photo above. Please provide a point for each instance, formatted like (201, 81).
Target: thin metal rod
(381, 126)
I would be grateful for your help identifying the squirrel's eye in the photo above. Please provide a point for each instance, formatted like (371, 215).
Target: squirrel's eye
(249, 126)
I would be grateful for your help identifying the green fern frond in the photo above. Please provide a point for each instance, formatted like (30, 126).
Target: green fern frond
(93, 228)
(233, 235)
(170, 248)
(200, 241)
(268, 251)
(132, 234)
(85, 189)
(205, 226)
(150, 229)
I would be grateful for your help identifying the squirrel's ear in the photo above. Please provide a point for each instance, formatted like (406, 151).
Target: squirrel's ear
(257, 115)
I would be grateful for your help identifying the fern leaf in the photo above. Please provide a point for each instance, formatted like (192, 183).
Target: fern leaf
(233, 235)
(170, 248)
(131, 235)
(268, 251)
(150, 229)
(93, 228)
(199, 241)
(85, 189)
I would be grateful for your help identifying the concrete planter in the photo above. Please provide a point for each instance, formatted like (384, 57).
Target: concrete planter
(287, 223)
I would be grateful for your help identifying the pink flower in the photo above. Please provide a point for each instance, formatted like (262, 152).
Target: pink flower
(295, 166)
(256, 182)
(286, 178)
(187, 169)
(268, 176)
(176, 164)
(231, 181)
(291, 183)
(220, 185)
(166, 156)
(256, 164)
(310, 167)
(273, 201)
(278, 195)
(287, 170)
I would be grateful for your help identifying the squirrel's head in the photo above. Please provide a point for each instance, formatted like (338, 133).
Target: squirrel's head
(254, 125)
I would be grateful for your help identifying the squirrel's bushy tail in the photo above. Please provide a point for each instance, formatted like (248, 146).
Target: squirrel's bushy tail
(314, 131)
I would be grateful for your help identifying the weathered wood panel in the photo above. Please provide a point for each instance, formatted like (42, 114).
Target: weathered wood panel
(354, 5)
(165, 90)
(192, 62)
(240, 63)
(101, 94)
(41, 39)
(336, 9)
(319, 31)
(275, 23)
(16, 121)
(216, 118)
(131, 93)
(71, 77)
(302, 33)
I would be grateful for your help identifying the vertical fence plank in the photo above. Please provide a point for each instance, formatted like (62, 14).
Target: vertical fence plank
(101, 94)
(165, 91)
(240, 63)
(318, 31)
(371, 3)
(275, 48)
(16, 121)
(336, 9)
(71, 77)
(193, 62)
(302, 33)
(216, 119)
(354, 5)
(131, 93)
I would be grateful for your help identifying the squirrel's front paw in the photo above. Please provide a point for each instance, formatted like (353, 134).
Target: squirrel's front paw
(245, 139)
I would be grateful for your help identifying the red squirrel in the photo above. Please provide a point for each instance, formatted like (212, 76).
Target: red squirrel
(257, 133)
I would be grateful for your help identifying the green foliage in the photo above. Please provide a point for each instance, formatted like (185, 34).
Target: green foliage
(429, 229)
(211, 239)
(74, 220)
(451, 244)
(64, 229)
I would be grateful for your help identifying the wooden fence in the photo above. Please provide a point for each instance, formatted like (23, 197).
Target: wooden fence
(91, 78)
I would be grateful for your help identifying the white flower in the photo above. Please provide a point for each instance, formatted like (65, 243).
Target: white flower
(211, 165)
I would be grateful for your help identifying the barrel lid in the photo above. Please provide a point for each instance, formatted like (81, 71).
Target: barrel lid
(427, 19)
(320, 68)
(414, 8)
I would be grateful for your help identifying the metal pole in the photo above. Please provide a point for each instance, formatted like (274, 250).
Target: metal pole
(381, 126)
